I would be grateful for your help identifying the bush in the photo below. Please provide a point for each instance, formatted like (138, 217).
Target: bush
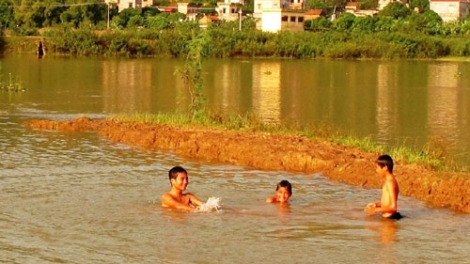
(396, 10)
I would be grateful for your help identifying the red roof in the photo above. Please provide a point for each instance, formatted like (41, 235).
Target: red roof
(213, 18)
(356, 4)
(314, 12)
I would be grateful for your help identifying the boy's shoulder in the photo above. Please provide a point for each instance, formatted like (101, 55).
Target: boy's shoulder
(271, 199)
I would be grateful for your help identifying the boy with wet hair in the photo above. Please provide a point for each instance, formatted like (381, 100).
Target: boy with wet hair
(388, 204)
(283, 193)
(175, 198)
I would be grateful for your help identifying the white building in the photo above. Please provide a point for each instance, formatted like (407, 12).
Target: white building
(277, 15)
(450, 10)
(230, 10)
(123, 4)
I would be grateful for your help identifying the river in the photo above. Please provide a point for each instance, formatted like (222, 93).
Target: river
(78, 198)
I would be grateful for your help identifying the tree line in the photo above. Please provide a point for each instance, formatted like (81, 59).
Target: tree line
(396, 32)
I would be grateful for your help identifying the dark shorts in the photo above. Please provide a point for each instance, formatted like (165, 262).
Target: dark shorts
(395, 216)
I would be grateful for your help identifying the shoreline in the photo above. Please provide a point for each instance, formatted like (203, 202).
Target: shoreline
(266, 151)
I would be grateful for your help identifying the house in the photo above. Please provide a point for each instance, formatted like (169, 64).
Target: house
(383, 3)
(205, 21)
(277, 15)
(352, 7)
(355, 9)
(313, 14)
(123, 4)
(172, 8)
(450, 10)
(229, 10)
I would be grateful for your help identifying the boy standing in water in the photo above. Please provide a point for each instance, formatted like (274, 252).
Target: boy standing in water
(175, 198)
(283, 193)
(388, 204)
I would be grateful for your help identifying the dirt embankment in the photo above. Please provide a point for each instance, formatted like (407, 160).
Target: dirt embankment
(278, 152)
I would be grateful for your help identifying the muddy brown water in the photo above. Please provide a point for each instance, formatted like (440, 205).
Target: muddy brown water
(78, 197)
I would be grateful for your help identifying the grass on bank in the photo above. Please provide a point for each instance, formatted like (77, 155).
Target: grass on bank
(10, 83)
(429, 156)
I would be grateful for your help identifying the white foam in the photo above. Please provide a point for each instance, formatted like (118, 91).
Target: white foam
(212, 204)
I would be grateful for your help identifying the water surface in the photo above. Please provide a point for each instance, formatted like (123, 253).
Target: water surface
(415, 103)
(77, 198)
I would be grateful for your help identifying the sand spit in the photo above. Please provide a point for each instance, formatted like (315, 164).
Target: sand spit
(278, 152)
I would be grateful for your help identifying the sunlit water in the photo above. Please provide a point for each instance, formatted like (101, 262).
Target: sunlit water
(413, 103)
(78, 198)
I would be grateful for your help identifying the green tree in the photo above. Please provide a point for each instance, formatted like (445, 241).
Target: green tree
(369, 4)
(7, 14)
(159, 22)
(384, 23)
(328, 6)
(422, 5)
(24, 14)
(248, 7)
(126, 14)
(344, 22)
(135, 21)
(395, 10)
(365, 24)
(428, 22)
(319, 24)
(192, 72)
(149, 12)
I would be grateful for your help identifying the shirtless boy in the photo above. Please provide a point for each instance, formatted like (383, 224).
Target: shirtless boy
(388, 204)
(175, 198)
(283, 193)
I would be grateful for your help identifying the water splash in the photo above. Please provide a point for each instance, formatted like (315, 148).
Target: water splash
(212, 204)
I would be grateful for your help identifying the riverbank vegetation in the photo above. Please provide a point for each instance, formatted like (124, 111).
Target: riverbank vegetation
(10, 83)
(397, 32)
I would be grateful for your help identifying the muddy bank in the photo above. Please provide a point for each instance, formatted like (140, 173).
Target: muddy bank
(278, 152)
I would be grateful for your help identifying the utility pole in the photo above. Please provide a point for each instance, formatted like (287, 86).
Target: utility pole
(107, 26)
(240, 20)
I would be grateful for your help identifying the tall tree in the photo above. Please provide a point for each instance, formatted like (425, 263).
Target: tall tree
(7, 14)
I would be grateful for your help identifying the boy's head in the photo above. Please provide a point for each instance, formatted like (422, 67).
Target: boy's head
(174, 172)
(283, 191)
(385, 161)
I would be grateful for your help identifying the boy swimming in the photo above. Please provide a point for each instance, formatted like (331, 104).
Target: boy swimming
(388, 204)
(283, 193)
(175, 198)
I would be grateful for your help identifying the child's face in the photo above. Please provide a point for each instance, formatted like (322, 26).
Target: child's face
(181, 181)
(381, 171)
(282, 194)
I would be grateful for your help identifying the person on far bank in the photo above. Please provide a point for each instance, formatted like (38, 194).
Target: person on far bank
(388, 205)
(283, 193)
(176, 198)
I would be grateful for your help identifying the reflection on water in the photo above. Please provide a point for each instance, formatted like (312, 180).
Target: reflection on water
(386, 108)
(443, 116)
(385, 228)
(267, 91)
(127, 86)
(411, 102)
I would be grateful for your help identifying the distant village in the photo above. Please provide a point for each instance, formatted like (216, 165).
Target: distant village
(281, 15)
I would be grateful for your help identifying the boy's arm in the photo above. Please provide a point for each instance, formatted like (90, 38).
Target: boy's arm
(169, 201)
(391, 207)
(371, 207)
(194, 200)
(271, 199)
